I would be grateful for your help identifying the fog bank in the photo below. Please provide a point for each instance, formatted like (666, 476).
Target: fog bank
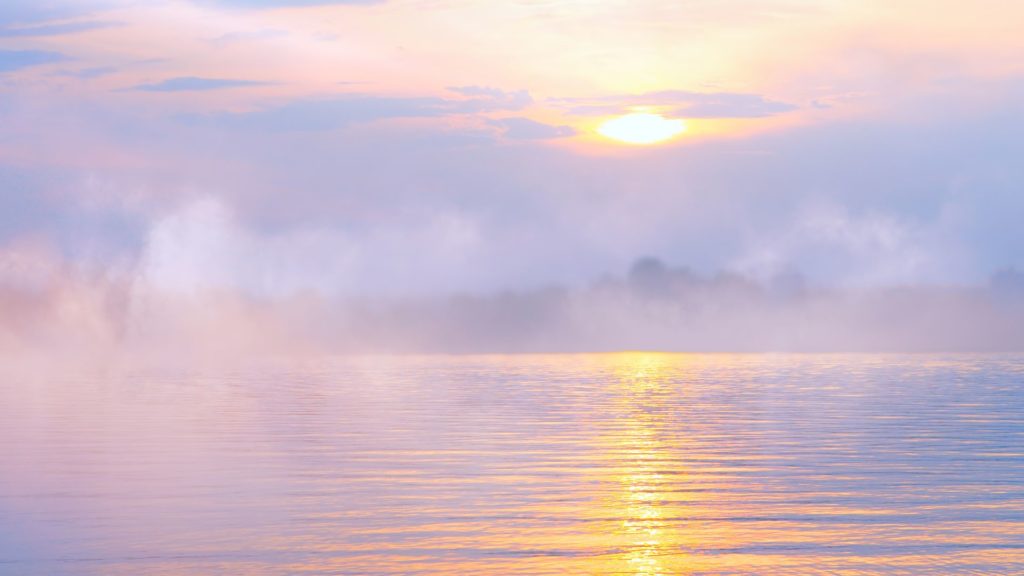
(50, 310)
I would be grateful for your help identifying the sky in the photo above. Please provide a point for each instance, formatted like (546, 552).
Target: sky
(421, 150)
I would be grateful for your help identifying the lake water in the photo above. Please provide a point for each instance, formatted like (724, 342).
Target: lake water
(634, 463)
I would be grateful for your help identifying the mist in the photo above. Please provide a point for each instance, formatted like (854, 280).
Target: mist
(53, 311)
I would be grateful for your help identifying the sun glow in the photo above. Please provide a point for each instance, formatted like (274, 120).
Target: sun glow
(642, 128)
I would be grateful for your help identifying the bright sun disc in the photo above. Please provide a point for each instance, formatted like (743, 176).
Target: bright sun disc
(641, 128)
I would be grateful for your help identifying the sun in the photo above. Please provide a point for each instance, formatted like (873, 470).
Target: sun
(642, 128)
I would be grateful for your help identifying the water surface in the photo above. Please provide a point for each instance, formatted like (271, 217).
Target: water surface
(635, 464)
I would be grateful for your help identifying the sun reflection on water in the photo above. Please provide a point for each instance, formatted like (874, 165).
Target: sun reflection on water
(652, 544)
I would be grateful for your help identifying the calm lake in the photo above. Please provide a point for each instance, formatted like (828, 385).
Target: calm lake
(629, 463)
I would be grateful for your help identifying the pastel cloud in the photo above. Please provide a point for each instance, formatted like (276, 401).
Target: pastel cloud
(25, 12)
(527, 129)
(196, 84)
(89, 72)
(12, 60)
(335, 112)
(27, 18)
(290, 3)
(493, 98)
(59, 29)
(682, 103)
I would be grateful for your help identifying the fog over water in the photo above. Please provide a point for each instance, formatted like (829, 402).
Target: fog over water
(51, 308)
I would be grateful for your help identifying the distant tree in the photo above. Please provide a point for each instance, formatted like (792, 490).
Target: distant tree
(650, 277)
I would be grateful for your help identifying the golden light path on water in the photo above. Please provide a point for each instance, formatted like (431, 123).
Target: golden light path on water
(639, 464)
